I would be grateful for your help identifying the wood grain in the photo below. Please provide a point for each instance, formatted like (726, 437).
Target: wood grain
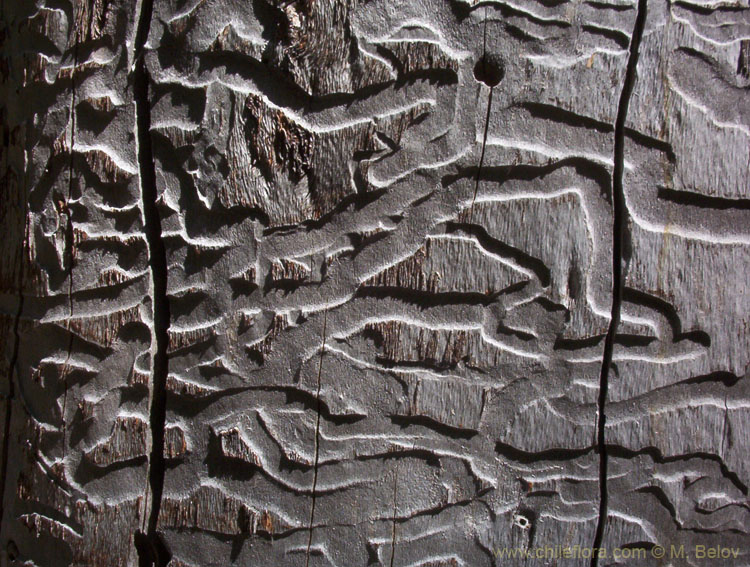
(374, 282)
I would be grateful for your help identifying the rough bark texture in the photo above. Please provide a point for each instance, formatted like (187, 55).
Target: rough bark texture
(375, 282)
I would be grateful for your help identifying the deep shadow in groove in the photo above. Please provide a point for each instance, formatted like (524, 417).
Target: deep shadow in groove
(567, 117)
(562, 343)
(657, 456)
(615, 36)
(426, 299)
(502, 249)
(524, 172)
(653, 143)
(152, 551)
(667, 310)
(553, 455)
(702, 201)
(618, 237)
(443, 429)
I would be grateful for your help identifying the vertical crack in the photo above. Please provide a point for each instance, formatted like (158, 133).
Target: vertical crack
(317, 438)
(395, 515)
(481, 157)
(11, 394)
(490, 73)
(618, 237)
(152, 551)
(70, 238)
(64, 207)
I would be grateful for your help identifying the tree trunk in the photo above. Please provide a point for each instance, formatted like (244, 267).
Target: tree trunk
(375, 282)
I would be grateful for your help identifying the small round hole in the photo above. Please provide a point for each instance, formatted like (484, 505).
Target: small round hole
(488, 71)
(521, 521)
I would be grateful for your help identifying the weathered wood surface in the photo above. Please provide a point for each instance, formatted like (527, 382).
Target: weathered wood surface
(374, 282)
